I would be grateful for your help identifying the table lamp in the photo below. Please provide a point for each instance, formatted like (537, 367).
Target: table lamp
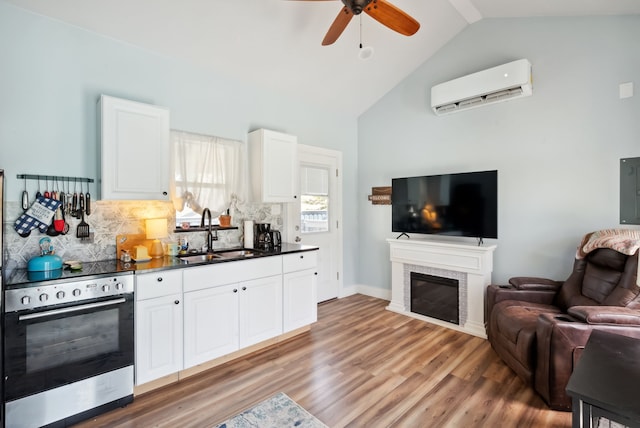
(156, 230)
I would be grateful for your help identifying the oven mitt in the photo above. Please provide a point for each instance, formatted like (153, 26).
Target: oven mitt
(39, 216)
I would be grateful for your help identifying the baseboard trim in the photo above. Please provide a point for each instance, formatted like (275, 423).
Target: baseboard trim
(367, 290)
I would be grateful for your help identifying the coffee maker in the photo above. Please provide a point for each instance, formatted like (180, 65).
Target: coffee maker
(262, 236)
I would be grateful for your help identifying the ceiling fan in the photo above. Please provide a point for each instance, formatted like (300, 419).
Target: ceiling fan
(380, 10)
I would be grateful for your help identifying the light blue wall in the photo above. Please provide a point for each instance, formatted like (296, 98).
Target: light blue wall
(557, 152)
(51, 75)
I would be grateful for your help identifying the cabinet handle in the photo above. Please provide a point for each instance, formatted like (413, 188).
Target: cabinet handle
(315, 273)
(244, 288)
(177, 302)
(235, 290)
(164, 193)
(159, 279)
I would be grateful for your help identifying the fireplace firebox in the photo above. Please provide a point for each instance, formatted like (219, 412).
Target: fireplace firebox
(435, 297)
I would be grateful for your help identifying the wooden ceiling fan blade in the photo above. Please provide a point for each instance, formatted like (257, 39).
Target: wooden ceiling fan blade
(338, 26)
(392, 17)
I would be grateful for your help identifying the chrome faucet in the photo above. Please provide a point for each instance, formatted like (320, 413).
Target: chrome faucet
(210, 237)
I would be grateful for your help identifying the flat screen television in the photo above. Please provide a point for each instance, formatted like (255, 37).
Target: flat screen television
(464, 204)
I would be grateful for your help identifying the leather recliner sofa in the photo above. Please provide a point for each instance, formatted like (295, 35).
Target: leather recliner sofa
(539, 326)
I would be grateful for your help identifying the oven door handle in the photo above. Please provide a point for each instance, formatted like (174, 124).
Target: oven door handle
(70, 309)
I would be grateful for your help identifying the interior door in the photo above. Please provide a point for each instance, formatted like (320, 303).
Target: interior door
(315, 217)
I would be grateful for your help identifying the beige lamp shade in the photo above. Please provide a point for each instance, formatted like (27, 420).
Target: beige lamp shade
(156, 230)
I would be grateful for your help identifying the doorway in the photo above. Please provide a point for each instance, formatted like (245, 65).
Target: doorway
(315, 218)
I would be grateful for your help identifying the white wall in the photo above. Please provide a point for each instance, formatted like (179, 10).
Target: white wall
(51, 75)
(557, 152)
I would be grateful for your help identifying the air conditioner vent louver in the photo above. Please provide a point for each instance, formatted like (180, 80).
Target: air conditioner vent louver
(501, 83)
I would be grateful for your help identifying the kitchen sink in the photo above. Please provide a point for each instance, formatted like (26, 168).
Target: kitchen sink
(232, 254)
(198, 258)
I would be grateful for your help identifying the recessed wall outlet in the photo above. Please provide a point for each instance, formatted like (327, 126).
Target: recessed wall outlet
(626, 90)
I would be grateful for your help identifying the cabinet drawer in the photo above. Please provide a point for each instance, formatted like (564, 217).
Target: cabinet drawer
(299, 261)
(158, 284)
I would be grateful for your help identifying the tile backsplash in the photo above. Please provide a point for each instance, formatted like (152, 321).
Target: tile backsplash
(111, 218)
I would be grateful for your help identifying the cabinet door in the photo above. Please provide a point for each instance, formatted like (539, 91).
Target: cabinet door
(260, 310)
(158, 336)
(300, 299)
(210, 323)
(134, 150)
(274, 163)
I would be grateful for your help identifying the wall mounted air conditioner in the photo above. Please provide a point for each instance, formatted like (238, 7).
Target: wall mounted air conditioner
(501, 83)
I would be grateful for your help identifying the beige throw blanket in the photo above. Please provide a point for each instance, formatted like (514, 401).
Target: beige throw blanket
(625, 241)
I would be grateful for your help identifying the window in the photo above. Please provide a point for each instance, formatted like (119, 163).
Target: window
(209, 171)
(314, 199)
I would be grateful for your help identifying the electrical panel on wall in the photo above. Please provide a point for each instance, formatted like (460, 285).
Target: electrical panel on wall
(630, 191)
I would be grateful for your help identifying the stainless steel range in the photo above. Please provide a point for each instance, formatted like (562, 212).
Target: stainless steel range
(69, 348)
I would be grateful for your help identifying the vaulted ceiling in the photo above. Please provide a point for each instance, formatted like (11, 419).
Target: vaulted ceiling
(277, 43)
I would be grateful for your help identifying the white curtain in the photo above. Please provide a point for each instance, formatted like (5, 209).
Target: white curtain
(208, 171)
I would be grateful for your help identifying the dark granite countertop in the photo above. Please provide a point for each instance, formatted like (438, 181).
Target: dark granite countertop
(21, 277)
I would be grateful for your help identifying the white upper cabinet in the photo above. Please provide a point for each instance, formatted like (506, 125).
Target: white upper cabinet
(273, 160)
(135, 157)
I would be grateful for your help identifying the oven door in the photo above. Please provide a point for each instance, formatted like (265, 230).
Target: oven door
(58, 345)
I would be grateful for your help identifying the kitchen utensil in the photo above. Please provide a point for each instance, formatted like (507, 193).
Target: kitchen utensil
(81, 201)
(63, 200)
(74, 201)
(38, 194)
(25, 196)
(69, 197)
(47, 194)
(83, 228)
(58, 221)
(87, 202)
(65, 227)
(51, 230)
(45, 262)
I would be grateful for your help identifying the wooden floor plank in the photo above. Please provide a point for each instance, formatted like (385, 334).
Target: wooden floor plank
(359, 366)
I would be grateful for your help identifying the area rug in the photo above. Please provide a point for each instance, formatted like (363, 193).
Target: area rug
(275, 412)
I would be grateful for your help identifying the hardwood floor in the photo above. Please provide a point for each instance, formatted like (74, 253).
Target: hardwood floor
(359, 366)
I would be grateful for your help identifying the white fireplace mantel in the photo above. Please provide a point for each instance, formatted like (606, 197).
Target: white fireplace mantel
(473, 262)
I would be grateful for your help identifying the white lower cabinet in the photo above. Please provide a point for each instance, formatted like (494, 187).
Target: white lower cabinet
(158, 325)
(230, 306)
(300, 299)
(300, 290)
(210, 324)
(186, 317)
(260, 310)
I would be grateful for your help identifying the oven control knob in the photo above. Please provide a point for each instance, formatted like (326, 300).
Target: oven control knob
(105, 288)
(25, 300)
(44, 297)
(60, 294)
(76, 292)
(119, 286)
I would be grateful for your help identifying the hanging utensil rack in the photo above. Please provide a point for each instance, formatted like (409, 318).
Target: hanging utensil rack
(55, 178)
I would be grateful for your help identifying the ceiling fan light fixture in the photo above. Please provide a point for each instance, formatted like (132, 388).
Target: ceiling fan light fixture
(365, 53)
